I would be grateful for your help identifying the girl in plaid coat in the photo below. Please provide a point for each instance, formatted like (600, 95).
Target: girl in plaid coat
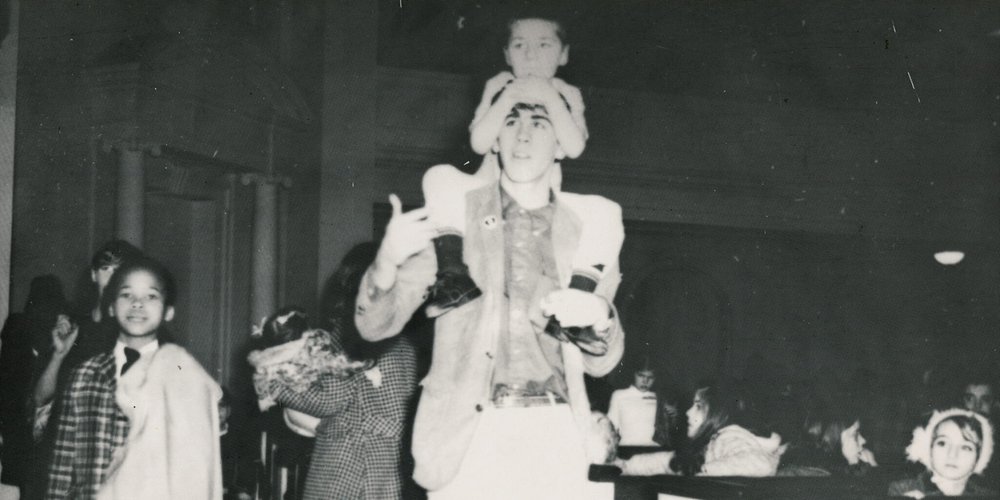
(358, 448)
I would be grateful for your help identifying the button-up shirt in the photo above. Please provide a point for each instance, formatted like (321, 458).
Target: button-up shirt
(528, 360)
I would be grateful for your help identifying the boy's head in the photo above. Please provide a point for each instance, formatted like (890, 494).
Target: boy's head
(141, 297)
(979, 397)
(535, 47)
(645, 377)
(109, 257)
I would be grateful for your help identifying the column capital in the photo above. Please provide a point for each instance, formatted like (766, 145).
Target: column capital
(272, 179)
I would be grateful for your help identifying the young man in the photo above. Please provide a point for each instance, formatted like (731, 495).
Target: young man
(633, 410)
(495, 417)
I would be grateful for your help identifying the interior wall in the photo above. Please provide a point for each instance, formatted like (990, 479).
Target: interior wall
(8, 106)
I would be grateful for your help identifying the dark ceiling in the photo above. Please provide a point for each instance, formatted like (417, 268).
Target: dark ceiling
(827, 53)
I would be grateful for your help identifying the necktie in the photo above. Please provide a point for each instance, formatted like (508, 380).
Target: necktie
(131, 356)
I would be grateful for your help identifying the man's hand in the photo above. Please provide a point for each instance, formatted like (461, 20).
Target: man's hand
(63, 336)
(577, 308)
(405, 235)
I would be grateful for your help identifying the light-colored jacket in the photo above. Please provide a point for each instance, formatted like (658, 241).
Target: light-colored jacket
(735, 451)
(173, 443)
(457, 388)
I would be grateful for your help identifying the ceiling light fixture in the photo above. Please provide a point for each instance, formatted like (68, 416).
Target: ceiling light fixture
(949, 257)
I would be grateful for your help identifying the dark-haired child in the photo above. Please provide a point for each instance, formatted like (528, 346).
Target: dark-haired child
(956, 446)
(535, 50)
(112, 439)
(717, 445)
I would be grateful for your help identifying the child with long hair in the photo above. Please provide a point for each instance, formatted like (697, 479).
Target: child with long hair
(718, 444)
(956, 446)
(831, 444)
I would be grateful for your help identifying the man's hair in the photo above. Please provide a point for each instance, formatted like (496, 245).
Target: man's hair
(114, 253)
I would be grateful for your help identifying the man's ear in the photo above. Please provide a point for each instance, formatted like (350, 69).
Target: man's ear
(169, 314)
(93, 276)
(563, 57)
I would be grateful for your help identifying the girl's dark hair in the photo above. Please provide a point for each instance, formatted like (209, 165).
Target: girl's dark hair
(971, 430)
(340, 296)
(166, 281)
(726, 405)
(668, 427)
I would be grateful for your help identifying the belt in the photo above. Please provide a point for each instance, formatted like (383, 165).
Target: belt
(504, 397)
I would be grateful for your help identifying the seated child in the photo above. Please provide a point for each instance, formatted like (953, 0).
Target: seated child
(535, 50)
(830, 445)
(717, 444)
(955, 446)
(296, 356)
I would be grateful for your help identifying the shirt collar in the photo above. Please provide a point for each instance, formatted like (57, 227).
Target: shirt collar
(509, 205)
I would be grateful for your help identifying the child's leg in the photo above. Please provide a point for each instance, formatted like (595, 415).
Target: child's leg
(601, 238)
(444, 189)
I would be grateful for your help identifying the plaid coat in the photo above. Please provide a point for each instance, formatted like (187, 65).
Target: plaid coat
(357, 453)
(89, 427)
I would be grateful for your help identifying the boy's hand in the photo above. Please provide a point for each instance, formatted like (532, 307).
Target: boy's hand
(405, 235)
(63, 336)
(578, 308)
(533, 90)
(571, 93)
(496, 84)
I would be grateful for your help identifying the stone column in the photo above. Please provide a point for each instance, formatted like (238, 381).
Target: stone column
(130, 200)
(265, 244)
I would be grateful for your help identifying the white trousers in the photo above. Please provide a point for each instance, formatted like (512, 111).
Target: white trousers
(525, 453)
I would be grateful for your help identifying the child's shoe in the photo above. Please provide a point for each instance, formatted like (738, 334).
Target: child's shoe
(454, 287)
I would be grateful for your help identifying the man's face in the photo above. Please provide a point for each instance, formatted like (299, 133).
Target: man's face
(978, 398)
(535, 49)
(527, 145)
(644, 380)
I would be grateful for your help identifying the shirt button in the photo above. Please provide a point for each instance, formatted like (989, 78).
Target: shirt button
(479, 407)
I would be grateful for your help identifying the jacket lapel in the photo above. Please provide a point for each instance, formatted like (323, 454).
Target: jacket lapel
(484, 250)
